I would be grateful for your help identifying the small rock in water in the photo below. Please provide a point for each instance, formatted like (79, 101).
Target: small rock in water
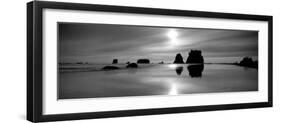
(132, 65)
(143, 61)
(115, 61)
(110, 68)
(161, 62)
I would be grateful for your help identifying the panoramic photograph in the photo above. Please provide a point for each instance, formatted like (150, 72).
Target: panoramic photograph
(110, 60)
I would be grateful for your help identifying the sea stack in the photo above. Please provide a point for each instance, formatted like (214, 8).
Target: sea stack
(178, 59)
(161, 62)
(115, 61)
(132, 65)
(248, 62)
(110, 68)
(143, 61)
(195, 56)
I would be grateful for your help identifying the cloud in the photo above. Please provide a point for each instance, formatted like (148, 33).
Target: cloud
(102, 42)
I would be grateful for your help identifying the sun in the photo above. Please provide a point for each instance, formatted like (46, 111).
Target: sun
(173, 34)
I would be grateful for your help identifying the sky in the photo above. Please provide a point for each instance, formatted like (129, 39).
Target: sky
(101, 43)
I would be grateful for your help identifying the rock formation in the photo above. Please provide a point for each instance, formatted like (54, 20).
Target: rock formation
(132, 65)
(178, 59)
(248, 62)
(162, 62)
(195, 56)
(115, 61)
(110, 68)
(143, 61)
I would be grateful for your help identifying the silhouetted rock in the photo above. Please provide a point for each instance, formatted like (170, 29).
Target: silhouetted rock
(132, 65)
(143, 61)
(195, 56)
(248, 62)
(195, 70)
(161, 62)
(128, 63)
(115, 61)
(79, 63)
(178, 59)
(110, 68)
(179, 70)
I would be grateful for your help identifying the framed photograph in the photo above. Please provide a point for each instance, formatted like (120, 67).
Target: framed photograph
(95, 61)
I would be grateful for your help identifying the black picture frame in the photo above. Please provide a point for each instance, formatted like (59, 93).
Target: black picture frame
(34, 60)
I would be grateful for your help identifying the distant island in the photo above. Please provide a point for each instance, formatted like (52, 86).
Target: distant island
(248, 62)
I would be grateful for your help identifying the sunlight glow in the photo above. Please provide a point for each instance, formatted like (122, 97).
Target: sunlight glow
(173, 90)
(172, 66)
(173, 34)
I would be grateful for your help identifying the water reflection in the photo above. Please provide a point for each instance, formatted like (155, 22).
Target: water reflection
(179, 70)
(195, 70)
(174, 89)
(132, 71)
(157, 80)
(172, 66)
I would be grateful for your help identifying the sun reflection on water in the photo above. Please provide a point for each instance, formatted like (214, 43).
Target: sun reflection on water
(173, 90)
(172, 66)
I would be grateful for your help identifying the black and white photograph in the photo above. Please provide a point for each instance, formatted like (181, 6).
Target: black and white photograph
(111, 60)
(87, 60)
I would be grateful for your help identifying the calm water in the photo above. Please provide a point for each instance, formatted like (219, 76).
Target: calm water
(164, 79)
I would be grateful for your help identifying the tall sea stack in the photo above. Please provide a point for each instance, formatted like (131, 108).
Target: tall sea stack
(195, 56)
(178, 59)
